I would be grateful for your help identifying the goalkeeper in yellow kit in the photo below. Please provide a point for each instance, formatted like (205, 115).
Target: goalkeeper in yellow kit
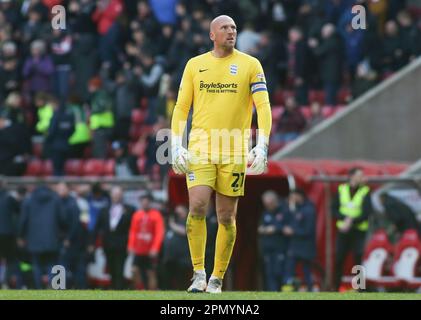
(221, 86)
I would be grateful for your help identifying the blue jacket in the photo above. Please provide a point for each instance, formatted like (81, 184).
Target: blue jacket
(61, 128)
(42, 221)
(277, 241)
(303, 223)
(8, 212)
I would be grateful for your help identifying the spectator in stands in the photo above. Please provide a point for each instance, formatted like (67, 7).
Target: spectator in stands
(298, 64)
(301, 230)
(35, 27)
(149, 74)
(366, 78)
(61, 48)
(145, 240)
(9, 69)
(41, 222)
(105, 16)
(351, 207)
(273, 244)
(176, 255)
(101, 119)
(38, 68)
(329, 53)
(124, 90)
(113, 228)
(353, 41)
(62, 126)
(9, 211)
(145, 20)
(13, 108)
(125, 164)
(164, 11)
(98, 199)
(399, 214)
(15, 146)
(393, 55)
(410, 36)
(45, 110)
(316, 115)
(81, 137)
(84, 50)
(248, 39)
(291, 122)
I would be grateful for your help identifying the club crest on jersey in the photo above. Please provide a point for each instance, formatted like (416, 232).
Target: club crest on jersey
(191, 176)
(233, 69)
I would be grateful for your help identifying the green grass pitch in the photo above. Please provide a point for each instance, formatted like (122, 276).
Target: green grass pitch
(179, 295)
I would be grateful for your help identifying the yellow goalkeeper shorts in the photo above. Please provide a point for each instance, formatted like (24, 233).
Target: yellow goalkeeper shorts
(227, 179)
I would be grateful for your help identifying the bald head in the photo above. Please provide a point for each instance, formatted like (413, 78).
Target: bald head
(223, 33)
(220, 20)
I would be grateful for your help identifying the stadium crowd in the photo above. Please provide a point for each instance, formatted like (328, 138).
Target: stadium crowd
(112, 74)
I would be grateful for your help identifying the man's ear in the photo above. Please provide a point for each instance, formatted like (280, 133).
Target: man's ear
(212, 36)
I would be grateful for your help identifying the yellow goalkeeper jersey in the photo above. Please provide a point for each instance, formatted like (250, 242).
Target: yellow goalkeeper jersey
(222, 92)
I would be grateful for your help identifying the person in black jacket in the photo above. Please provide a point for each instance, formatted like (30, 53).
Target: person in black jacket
(8, 215)
(399, 214)
(41, 223)
(301, 231)
(351, 207)
(298, 64)
(125, 164)
(273, 244)
(330, 55)
(15, 145)
(113, 227)
(61, 127)
(73, 252)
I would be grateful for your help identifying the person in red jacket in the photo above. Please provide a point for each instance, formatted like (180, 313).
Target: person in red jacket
(145, 239)
(105, 16)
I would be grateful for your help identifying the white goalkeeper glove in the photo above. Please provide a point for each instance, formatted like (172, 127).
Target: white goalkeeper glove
(258, 156)
(180, 156)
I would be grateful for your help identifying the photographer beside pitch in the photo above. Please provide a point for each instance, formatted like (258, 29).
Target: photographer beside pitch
(222, 86)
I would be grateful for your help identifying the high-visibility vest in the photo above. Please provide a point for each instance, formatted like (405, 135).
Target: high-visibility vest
(82, 133)
(102, 120)
(352, 207)
(45, 114)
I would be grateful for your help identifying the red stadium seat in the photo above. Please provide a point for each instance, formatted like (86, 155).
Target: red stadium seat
(94, 167)
(316, 95)
(47, 168)
(109, 168)
(344, 96)
(34, 168)
(138, 148)
(407, 259)
(74, 167)
(135, 132)
(137, 116)
(277, 113)
(141, 162)
(37, 149)
(377, 257)
(306, 111)
(327, 111)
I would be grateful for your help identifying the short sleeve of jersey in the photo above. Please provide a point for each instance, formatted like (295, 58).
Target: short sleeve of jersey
(257, 78)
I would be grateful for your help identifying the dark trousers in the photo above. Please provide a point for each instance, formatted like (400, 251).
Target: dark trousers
(115, 263)
(42, 264)
(331, 91)
(273, 262)
(291, 264)
(350, 242)
(59, 159)
(74, 260)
